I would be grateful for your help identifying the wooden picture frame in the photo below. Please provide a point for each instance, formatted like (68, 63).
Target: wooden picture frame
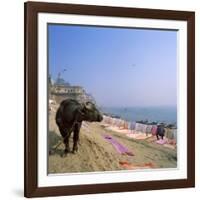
(31, 188)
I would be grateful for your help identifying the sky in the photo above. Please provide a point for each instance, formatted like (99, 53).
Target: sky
(120, 67)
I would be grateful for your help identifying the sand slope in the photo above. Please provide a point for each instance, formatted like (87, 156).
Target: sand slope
(97, 154)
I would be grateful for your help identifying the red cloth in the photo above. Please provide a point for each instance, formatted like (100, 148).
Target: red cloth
(154, 130)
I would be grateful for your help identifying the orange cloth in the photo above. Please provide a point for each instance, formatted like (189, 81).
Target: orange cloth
(130, 166)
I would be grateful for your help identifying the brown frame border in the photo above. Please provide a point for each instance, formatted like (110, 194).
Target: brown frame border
(31, 10)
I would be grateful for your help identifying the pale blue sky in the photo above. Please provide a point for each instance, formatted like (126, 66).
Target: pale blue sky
(119, 67)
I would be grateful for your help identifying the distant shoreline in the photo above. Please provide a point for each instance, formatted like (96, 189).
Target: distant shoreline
(159, 114)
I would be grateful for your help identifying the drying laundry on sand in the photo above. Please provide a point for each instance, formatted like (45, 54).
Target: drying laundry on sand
(123, 126)
(161, 141)
(154, 130)
(118, 146)
(130, 166)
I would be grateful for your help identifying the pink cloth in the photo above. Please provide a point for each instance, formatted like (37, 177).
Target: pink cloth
(161, 141)
(119, 147)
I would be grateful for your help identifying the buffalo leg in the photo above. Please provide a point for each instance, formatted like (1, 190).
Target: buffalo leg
(76, 137)
(66, 142)
(65, 134)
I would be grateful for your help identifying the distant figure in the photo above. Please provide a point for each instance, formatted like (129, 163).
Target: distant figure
(69, 119)
(160, 131)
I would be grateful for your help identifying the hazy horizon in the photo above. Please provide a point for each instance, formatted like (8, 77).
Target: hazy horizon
(119, 67)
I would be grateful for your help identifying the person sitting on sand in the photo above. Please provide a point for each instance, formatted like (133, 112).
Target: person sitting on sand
(160, 131)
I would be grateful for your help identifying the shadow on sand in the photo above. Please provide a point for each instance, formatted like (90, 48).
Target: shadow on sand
(53, 140)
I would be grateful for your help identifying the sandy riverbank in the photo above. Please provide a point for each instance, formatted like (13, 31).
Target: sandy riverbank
(97, 154)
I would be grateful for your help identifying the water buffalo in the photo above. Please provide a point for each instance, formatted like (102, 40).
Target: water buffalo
(69, 118)
(160, 131)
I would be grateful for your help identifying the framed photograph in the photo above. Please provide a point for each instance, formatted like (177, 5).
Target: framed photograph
(109, 99)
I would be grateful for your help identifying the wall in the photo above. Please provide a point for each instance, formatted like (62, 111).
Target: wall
(11, 110)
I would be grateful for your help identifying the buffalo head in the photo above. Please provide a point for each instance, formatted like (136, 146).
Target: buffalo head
(91, 113)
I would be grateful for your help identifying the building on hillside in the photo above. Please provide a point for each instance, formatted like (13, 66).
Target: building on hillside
(61, 90)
